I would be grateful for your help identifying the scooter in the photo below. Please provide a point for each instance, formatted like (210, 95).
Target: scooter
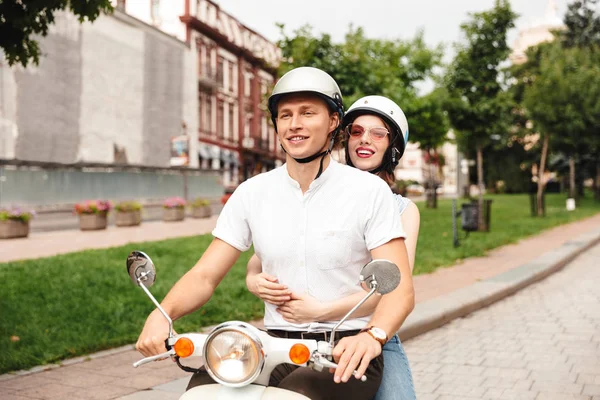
(240, 357)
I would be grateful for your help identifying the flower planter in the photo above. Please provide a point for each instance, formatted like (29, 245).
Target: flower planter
(128, 218)
(13, 229)
(201, 212)
(173, 214)
(92, 222)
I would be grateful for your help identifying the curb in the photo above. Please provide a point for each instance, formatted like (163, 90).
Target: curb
(439, 311)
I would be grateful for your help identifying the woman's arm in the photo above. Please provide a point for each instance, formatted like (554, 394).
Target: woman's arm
(305, 308)
(411, 221)
(264, 286)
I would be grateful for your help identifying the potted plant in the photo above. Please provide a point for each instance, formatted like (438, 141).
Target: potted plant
(228, 192)
(201, 208)
(92, 214)
(129, 213)
(174, 209)
(14, 223)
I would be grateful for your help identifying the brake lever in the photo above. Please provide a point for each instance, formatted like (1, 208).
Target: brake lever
(154, 358)
(324, 362)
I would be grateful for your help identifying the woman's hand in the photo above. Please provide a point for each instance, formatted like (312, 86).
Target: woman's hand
(267, 288)
(302, 309)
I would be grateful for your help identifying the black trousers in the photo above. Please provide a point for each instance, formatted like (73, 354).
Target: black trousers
(313, 384)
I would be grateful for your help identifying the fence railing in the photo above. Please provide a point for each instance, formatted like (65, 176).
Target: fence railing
(51, 186)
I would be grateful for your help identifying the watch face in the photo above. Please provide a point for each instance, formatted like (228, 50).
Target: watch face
(379, 333)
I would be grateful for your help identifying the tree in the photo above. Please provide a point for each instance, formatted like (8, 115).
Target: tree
(561, 100)
(429, 127)
(583, 31)
(479, 108)
(583, 25)
(363, 66)
(20, 19)
(524, 75)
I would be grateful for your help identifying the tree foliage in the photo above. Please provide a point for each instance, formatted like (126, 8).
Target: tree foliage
(22, 20)
(583, 25)
(479, 107)
(361, 65)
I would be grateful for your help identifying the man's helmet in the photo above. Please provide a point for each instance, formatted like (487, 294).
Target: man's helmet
(307, 79)
(393, 115)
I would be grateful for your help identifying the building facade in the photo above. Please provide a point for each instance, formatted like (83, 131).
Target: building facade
(452, 177)
(236, 67)
(112, 92)
(536, 32)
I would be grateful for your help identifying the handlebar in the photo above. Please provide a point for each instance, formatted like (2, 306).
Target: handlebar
(321, 361)
(146, 360)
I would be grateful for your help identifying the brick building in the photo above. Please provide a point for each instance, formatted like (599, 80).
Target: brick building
(235, 68)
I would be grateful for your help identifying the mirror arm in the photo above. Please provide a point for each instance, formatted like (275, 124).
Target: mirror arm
(157, 305)
(373, 290)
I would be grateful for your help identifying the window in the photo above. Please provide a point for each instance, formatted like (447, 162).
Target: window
(220, 77)
(231, 116)
(208, 115)
(200, 111)
(247, 83)
(231, 79)
(220, 120)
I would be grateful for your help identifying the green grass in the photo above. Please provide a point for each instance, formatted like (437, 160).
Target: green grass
(69, 305)
(510, 221)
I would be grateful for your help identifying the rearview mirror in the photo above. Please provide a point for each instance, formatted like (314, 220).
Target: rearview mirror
(383, 275)
(141, 269)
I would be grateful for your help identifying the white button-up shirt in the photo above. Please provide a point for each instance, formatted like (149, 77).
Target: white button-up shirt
(314, 242)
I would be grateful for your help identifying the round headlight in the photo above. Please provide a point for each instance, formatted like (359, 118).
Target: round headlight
(233, 355)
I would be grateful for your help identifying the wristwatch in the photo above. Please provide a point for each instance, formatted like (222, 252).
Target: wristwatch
(377, 334)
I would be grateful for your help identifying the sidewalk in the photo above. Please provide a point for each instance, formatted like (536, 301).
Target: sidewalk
(109, 375)
(45, 244)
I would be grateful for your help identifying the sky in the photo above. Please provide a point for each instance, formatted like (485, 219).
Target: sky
(391, 19)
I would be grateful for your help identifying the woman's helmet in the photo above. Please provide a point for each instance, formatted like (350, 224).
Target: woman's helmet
(308, 80)
(393, 115)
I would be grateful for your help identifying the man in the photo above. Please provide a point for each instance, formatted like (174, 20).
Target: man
(314, 223)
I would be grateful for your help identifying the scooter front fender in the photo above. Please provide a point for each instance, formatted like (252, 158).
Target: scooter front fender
(250, 392)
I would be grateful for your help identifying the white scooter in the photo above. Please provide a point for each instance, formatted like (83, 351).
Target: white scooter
(240, 357)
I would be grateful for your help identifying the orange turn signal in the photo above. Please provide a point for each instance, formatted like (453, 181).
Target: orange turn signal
(299, 354)
(184, 347)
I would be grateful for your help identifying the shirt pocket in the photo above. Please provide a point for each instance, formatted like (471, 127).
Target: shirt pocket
(334, 249)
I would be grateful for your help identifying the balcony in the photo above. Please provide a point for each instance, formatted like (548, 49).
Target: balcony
(258, 145)
(209, 79)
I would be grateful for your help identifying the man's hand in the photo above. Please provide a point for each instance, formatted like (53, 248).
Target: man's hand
(152, 339)
(301, 309)
(267, 288)
(354, 353)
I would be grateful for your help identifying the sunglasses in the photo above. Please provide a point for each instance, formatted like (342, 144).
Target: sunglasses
(376, 133)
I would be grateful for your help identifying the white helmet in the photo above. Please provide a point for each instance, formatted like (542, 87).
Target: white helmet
(392, 114)
(307, 79)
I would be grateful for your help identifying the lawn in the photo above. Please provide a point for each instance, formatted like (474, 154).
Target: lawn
(60, 307)
(510, 221)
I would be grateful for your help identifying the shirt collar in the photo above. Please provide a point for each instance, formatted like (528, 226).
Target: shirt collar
(315, 184)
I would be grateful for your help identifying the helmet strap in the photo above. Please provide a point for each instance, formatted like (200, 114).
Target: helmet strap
(321, 154)
(395, 152)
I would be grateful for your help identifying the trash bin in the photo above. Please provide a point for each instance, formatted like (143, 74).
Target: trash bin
(487, 213)
(469, 216)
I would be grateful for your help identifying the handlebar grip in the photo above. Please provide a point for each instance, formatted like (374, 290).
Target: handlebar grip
(330, 364)
(153, 358)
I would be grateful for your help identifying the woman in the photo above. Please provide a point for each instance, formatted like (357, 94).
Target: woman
(375, 136)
